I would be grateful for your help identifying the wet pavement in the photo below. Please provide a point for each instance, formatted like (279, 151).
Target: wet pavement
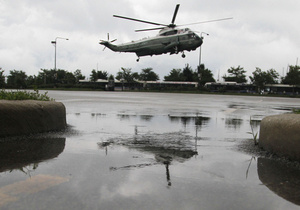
(149, 151)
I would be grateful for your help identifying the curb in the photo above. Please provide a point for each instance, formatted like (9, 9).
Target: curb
(280, 134)
(30, 117)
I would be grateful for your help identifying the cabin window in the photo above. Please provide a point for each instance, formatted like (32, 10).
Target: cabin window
(169, 33)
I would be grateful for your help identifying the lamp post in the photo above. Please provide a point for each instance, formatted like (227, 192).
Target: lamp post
(54, 43)
(201, 46)
(199, 74)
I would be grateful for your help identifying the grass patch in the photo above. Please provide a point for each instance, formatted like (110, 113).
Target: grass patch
(24, 95)
(296, 111)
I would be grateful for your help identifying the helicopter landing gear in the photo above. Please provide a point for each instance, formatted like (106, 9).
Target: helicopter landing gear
(183, 55)
(138, 59)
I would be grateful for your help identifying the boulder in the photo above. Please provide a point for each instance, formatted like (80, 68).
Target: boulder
(280, 134)
(30, 116)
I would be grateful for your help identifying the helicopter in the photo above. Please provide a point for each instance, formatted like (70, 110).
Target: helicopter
(170, 39)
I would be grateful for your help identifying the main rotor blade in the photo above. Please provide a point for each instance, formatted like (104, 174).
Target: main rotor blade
(149, 29)
(208, 21)
(175, 13)
(143, 21)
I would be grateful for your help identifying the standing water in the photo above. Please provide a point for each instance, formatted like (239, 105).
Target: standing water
(149, 151)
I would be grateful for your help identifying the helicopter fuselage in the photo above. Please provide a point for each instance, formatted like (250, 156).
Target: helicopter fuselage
(167, 41)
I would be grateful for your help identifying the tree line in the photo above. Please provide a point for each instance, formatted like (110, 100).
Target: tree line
(18, 79)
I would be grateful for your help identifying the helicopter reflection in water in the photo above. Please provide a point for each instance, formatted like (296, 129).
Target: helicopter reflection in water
(166, 148)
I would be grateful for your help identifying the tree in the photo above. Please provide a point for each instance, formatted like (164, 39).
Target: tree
(78, 76)
(2, 78)
(69, 78)
(148, 75)
(60, 76)
(48, 76)
(17, 79)
(127, 75)
(31, 81)
(293, 76)
(102, 75)
(188, 74)
(205, 75)
(94, 76)
(111, 77)
(98, 75)
(261, 78)
(236, 75)
(174, 75)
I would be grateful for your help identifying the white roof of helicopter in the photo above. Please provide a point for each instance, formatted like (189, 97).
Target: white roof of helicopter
(161, 32)
(168, 29)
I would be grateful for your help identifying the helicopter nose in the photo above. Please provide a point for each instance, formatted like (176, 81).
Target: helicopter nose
(199, 39)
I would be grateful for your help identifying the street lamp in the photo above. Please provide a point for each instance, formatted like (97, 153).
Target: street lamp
(201, 46)
(54, 43)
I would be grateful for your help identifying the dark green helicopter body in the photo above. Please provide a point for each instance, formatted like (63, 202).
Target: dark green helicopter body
(169, 40)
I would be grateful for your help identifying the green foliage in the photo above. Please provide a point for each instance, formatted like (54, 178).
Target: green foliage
(2, 78)
(205, 75)
(261, 78)
(236, 75)
(201, 75)
(24, 95)
(188, 74)
(17, 79)
(78, 75)
(296, 111)
(95, 75)
(126, 75)
(148, 75)
(174, 75)
(111, 77)
(293, 76)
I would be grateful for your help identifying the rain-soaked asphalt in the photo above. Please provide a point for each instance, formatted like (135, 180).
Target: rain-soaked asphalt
(149, 151)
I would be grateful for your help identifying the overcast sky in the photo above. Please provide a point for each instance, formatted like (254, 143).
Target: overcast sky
(262, 33)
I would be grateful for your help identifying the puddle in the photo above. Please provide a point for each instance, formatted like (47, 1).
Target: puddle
(149, 151)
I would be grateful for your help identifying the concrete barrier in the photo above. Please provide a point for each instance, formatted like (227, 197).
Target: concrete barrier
(280, 134)
(29, 117)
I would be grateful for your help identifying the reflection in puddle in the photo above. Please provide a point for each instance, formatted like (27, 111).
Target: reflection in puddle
(233, 123)
(238, 106)
(200, 121)
(185, 120)
(18, 154)
(97, 114)
(146, 117)
(255, 123)
(166, 148)
(280, 178)
(125, 116)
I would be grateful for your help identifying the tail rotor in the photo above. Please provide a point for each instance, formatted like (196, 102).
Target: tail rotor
(106, 42)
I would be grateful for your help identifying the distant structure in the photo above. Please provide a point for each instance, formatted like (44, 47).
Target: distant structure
(280, 89)
(123, 85)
